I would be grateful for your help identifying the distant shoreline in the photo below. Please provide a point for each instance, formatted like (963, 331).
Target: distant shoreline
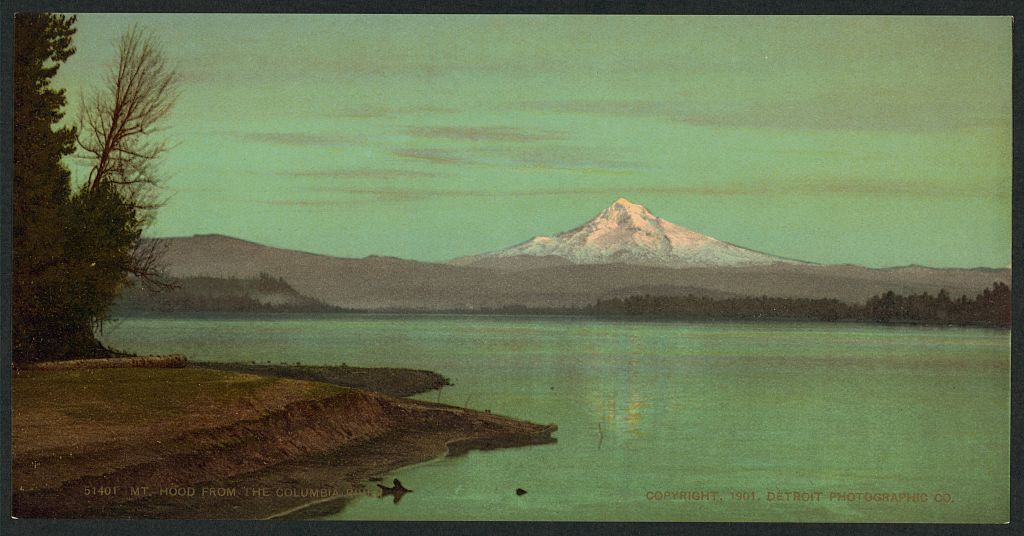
(569, 313)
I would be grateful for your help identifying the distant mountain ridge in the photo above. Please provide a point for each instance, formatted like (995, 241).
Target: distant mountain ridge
(259, 294)
(388, 282)
(628, 233)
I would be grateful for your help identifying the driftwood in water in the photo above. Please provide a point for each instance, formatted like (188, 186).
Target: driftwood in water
(397, 491)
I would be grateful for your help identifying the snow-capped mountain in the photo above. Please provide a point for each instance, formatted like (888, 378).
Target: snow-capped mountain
(628, 233)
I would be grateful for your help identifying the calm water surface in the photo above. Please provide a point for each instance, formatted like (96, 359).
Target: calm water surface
(650, 407)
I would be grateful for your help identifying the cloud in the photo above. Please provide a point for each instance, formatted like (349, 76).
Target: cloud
(389, 194)
(373, 112)
(850, 108)
(829, 187)
(417, 194)
(306, 203)
(485, 134)
(195, 189)
(881, 187)
(544, 157)
(826, 186)
(361, 173)
(292, 138)
(613, 107)
(559, 157)
(436, 156)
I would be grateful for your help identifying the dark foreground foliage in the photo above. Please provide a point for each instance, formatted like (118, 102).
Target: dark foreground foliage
(76, 248)
(42, 282)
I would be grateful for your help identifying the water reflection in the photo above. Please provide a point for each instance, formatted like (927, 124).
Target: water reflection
(623, 412)
(660, 406)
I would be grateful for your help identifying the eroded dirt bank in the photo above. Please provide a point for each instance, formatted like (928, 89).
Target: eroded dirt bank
(260, 452)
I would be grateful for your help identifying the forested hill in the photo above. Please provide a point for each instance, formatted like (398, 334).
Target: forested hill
(990, 308)
(267, 294)
(261, 294)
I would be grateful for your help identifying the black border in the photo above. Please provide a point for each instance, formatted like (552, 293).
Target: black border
(554, 7)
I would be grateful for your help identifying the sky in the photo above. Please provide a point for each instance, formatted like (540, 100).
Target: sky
(880, 141)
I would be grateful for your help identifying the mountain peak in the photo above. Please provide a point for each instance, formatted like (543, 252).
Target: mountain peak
(623, 202)
(624, 213)
(626, 232)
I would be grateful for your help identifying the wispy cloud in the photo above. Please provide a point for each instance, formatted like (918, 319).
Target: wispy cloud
(485, 133)
(839, 109)
(560, 157)
(544, 157)
(613, 107)
(436, 156)
(826, 186)
(292, 138)
(417, 194)
(359, 173)
(302, 203)
(374, 112)
(379, 194)
(838, 185)
(195, 189)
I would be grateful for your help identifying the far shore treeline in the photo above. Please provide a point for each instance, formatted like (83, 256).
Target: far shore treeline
(990, 308)
(268, 294)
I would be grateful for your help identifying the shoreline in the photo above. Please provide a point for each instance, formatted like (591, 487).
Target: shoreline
(278, 435)
(399, 382)
(568, 314)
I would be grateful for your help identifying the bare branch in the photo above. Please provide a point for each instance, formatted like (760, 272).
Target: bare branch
(142, 90)
(116, 127)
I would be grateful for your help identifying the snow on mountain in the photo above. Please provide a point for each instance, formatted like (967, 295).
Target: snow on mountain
(628, 233)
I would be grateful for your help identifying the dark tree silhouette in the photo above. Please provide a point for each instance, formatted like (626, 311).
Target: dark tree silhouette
(42, 42)
(990, 308)
(74, 251)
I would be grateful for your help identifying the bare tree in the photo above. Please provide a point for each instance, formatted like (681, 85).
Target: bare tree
(119, 128)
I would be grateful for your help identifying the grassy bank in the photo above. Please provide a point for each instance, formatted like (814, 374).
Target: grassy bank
(389, 381)
(132, 438)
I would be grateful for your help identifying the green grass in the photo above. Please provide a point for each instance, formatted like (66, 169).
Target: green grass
(118, 394)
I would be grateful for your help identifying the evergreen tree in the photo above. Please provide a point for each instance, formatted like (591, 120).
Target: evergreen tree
(42, 184)
(73, 252)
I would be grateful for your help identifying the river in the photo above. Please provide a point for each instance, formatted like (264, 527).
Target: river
(668, 421)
